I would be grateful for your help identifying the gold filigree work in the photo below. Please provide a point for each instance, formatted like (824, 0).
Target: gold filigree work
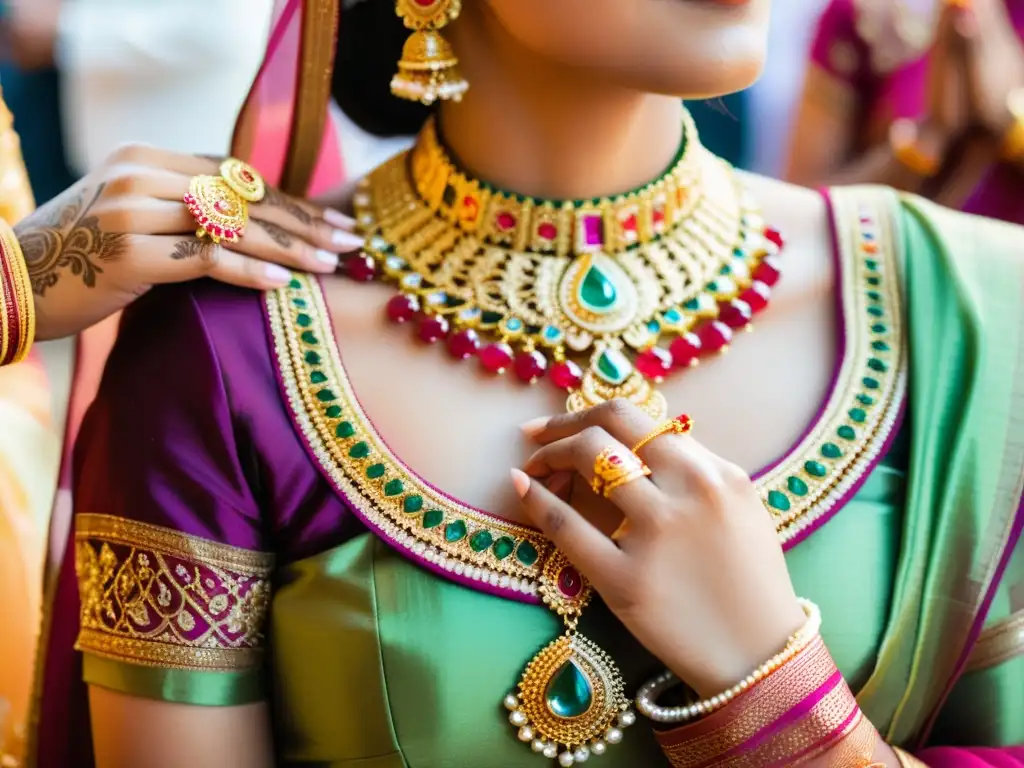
(156, 597)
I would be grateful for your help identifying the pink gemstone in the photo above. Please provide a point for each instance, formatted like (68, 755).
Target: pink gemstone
(464, 344)
(189, 200)
(433, 328)
(566, 375)
(547, 231)
(615, 460)
(714, 337)
(361, 268)
(530, 366)
(402, 308)
(654, 363)
(496, 357)
(593, 230)
(768, 271)
(570, 584)
(736, 313)
(773, 235)
(506, 221)
(222, 206)
(757, 296)
(685, 350)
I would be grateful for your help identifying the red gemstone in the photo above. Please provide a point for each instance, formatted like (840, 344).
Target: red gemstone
(425, 3)
(547, 231)
(654, 363)
(402, 308)
(530, 366)
(566, 375)
(432, 328)
(615, 460)
(658, 216)
(506, 221)
(757, 296)
(570, 583)
(214, 230)
(768, 271)
(773, 235)
(361, 268)
(470, 209)
(464, 344)
(246, 176)
(496, 357)
(629, 223)
(685, 350)
(736, 313)
(714, 336)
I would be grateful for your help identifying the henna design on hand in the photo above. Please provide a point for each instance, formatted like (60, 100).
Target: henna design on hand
(188, 249)
(277, 233)
(64, 237)
(278, 199)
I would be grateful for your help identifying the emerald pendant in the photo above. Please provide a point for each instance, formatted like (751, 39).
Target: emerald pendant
(597, 291)
(613, 367)
(569, 693)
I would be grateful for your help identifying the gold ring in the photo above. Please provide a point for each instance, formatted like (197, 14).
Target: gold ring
(613, 468)
(680, 425)
(244, 179)
(220, 212)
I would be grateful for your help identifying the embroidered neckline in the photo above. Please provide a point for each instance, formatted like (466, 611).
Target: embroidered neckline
(469, 545)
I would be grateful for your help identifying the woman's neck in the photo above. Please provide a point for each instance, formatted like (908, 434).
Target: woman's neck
(535, 127)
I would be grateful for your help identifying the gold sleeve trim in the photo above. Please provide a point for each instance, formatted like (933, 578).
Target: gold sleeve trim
(907, 760)
(156, 597)
(999, 643)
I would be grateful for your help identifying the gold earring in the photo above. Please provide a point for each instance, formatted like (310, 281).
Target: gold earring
(428, 69)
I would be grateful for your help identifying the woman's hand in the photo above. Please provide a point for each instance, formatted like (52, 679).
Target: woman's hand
(124, 228)
(698, 576)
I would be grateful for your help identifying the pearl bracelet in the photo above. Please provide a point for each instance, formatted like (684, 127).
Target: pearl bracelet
(647, 696)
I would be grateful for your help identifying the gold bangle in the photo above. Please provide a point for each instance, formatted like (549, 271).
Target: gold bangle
(1012, 149)
(17, 309)
(903, 136)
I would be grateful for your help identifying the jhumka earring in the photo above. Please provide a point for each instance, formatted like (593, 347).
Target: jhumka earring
(428, 69)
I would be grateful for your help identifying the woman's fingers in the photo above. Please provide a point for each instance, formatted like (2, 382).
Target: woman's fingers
(585, 546)
(579, 453)
(167, 259)
(308, 223)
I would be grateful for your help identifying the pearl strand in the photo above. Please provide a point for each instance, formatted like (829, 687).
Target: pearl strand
(647, 696)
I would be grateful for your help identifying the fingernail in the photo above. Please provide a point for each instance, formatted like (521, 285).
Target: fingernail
(277, 274)
(338, 219)
(534, 427)
(346, 240)
(520, 481)
(327, 258)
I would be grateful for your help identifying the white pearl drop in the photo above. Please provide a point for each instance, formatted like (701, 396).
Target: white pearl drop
(538, 745)
(526, 733)
(550, 751)
(582, 755)
(517, 718)
(627, 719)
(598, 747)
(614, 736)
(566, 759)
(511, 702)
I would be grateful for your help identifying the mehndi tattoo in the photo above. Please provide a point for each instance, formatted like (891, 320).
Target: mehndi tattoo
(188, 249)
(277, 199)
(277, 233)
(66, 237)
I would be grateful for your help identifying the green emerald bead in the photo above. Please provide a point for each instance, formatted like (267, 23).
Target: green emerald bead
(312, 358)
(359, 451)
(831, 451)
(847, 433)
(778, 500)
(870, 383)
(865, 399)
(526, 553)
(294, 284)
(433, 518)
(309, 337)
(879, 328)
(874, 280)
(303, 319)
(503, 547)
(874, 295)
(597, 291)
(345, 429)
(333, 411)
(796, 486)
(376, 471)
(876, 311)
(858, 415)
(326, 396)
(878, 365)
(300, 303)
(412, 504)
(815, 469)
(880, 346)
(393, 487)
(480, 541)
(871, 264)
(455, 530)
(613, 367)
(569, 694)
(317, 377)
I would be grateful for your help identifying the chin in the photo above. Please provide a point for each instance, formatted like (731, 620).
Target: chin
(686, 48)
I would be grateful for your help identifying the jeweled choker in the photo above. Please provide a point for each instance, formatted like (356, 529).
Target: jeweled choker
(635, 285)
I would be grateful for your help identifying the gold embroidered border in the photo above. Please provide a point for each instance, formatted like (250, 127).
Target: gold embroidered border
(156, 597)
(999, 643)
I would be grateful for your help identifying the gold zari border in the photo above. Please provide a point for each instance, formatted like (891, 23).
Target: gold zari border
(999, 643)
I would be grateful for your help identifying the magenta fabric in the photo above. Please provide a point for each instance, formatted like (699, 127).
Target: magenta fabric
(839, 49)
(945, 757)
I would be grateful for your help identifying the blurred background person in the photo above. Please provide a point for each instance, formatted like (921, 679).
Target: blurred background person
(924, 95)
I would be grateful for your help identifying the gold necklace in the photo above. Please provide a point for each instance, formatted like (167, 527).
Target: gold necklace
(634, 286)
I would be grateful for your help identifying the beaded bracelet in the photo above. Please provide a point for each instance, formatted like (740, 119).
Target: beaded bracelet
(647, 695)
(17, 311)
